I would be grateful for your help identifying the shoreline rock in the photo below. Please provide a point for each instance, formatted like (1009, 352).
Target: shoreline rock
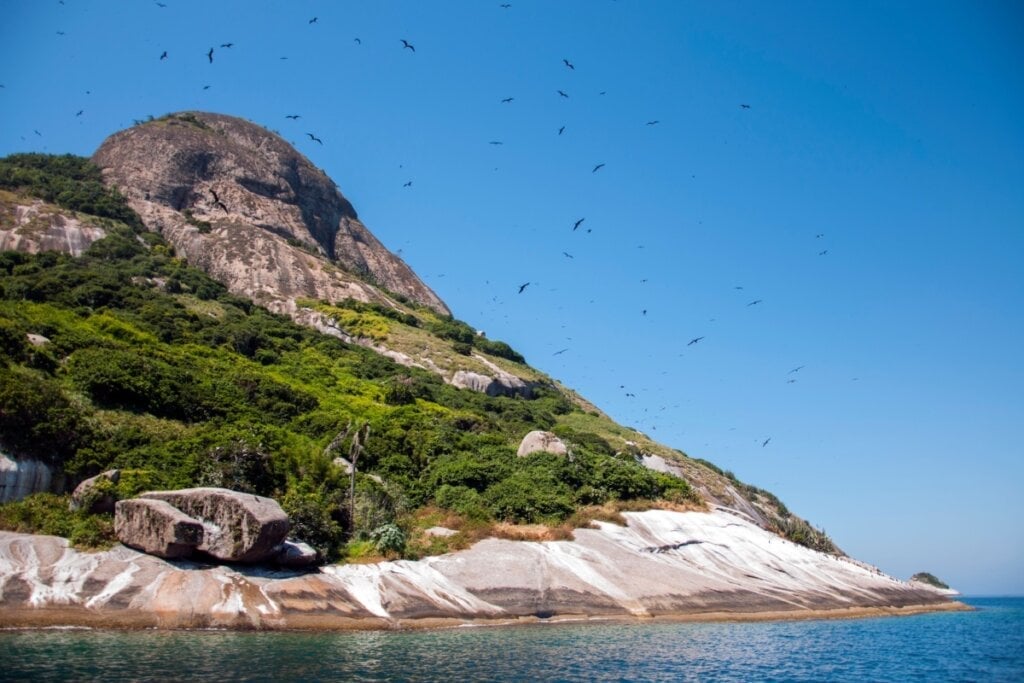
(237, 527)
(663, 566)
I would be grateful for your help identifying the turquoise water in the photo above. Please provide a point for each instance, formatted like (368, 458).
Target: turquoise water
(984, 645)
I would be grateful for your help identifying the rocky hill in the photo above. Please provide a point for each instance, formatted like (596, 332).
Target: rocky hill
(240, 203)
(385, 427)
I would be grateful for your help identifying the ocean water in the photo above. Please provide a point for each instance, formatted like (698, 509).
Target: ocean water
(984, 645)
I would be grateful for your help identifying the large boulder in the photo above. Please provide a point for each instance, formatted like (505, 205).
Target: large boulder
(94, 493)
(503, 384)
(156, 527)
(238, 527)
(541, 441)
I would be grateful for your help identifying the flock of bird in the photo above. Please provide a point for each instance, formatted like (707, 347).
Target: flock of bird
(404, 44)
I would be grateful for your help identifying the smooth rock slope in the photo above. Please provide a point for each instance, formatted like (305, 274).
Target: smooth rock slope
(663, 564)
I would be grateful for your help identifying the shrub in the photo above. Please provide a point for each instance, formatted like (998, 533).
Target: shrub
(461, 499)
(388, 539)
(529, 496)
(46, 513)
(37, 420)
(140, 383)
(499, 349)
(314, 517)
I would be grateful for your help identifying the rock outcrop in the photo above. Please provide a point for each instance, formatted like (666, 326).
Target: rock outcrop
(237, 527)
(38, 226)
(678, 564)
(242, 204)
(541, 441)
(23, 477)
(156, 528)
(291, 555)
(89, 494)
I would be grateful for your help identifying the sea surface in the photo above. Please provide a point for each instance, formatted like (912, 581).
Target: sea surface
(984, 645)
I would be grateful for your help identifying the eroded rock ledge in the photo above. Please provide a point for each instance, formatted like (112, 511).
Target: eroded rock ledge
(663, 564)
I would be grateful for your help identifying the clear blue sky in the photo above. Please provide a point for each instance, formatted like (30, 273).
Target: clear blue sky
(892, 130)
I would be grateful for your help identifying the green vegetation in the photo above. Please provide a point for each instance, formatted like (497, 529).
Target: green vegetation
(68, 181)
(930, 579)
(153, 368)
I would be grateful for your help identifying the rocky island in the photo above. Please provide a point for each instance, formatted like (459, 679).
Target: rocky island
(274, 423)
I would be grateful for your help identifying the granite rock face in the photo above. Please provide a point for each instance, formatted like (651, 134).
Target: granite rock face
(156, 528)
(292, 555)
(22, 477)
(237, 527)
(679, 564)
(239, 202)
(36, 226)
(541, 441)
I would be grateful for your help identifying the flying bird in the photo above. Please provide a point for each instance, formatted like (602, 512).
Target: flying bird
(160, 4)
(694, 341)
(569, 64)
(819, 235)
(653, 123)
(523, 286)
(315, 138)
(765, 442)
(755, 301)
(507, 100)
(313, 20)
(822, 253)
(80, 112)
(495, 142)
(217, 201)
(567, 254)
(227, 44)
(597, 168)
(745, 106)
(562, 93)
(559, 353)
(561, 130)
(293, 116)
(577, 224)
(796, 369)
(164, 55)
(406, 44)
(408, 184)
(358, 42)
(206, 87)
(505, 6)
(209, 55)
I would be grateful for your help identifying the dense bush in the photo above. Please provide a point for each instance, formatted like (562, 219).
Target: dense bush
(37, 419)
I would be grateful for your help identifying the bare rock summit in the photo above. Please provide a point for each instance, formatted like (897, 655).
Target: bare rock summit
(241, 203)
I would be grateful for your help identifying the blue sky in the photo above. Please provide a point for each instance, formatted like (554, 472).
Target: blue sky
(871, 197)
